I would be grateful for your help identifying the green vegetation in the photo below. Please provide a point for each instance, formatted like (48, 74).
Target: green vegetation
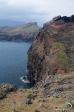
(58, 45)
(30, 28)
(30, 96)
(60, 55)
(21, 29)
(61, 58)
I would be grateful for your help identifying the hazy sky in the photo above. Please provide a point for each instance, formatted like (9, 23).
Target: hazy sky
(39, 11)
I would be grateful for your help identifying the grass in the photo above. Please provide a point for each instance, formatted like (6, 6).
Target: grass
(50, 103)
(21, 29)
(18, 98)
(30, 28)
(58, 45)
(30, 96)
(61, 58)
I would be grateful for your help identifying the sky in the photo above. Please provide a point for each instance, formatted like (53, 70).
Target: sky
(39, 11)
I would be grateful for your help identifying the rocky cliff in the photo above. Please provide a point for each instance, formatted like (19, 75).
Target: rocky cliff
(27, 32)
(52, 52)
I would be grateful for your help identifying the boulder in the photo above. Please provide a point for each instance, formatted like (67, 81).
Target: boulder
(28, 101)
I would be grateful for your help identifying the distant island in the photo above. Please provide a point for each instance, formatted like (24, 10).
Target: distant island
(25, 32)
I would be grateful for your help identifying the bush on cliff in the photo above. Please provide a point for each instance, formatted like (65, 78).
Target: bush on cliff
(30, 96)
(58, 45)
(61, 58)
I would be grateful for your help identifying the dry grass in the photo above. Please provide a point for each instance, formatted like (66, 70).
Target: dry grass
(19, 98)
(48, 105)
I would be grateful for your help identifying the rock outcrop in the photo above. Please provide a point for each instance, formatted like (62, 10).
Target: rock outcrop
(5, 89)
(27, 32)
(52, 52)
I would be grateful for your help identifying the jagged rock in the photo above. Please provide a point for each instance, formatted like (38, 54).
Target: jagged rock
(64, 18)
(57, 18)
(2, 95)
(5, 89)
(8, 87)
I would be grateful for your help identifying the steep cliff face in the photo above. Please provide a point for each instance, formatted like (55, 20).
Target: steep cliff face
(27, 32)
(52, 52)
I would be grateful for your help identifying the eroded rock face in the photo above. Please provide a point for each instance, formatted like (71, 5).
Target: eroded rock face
(42, 55)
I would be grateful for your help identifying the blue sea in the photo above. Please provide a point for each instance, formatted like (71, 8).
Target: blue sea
(13, 62)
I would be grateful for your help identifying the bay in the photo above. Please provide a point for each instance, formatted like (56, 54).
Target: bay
(13, 62)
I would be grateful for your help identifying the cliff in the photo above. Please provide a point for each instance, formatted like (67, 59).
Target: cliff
(52, 52)
(27, 32)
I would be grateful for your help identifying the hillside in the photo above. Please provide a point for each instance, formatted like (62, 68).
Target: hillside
(52, 52)
(51, 59)
(15, 100)
(26, 32)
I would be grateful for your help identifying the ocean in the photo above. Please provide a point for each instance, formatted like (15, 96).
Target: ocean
(13, 63)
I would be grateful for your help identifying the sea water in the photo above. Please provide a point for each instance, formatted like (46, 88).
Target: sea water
(13, 62)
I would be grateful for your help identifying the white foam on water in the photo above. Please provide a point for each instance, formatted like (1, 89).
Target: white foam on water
(24, 79)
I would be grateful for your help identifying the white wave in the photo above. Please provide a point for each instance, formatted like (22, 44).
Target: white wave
(24, 79)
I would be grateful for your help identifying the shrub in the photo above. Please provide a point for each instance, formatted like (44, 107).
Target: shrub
(61, 58)
(30, 96)
(58, 45)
